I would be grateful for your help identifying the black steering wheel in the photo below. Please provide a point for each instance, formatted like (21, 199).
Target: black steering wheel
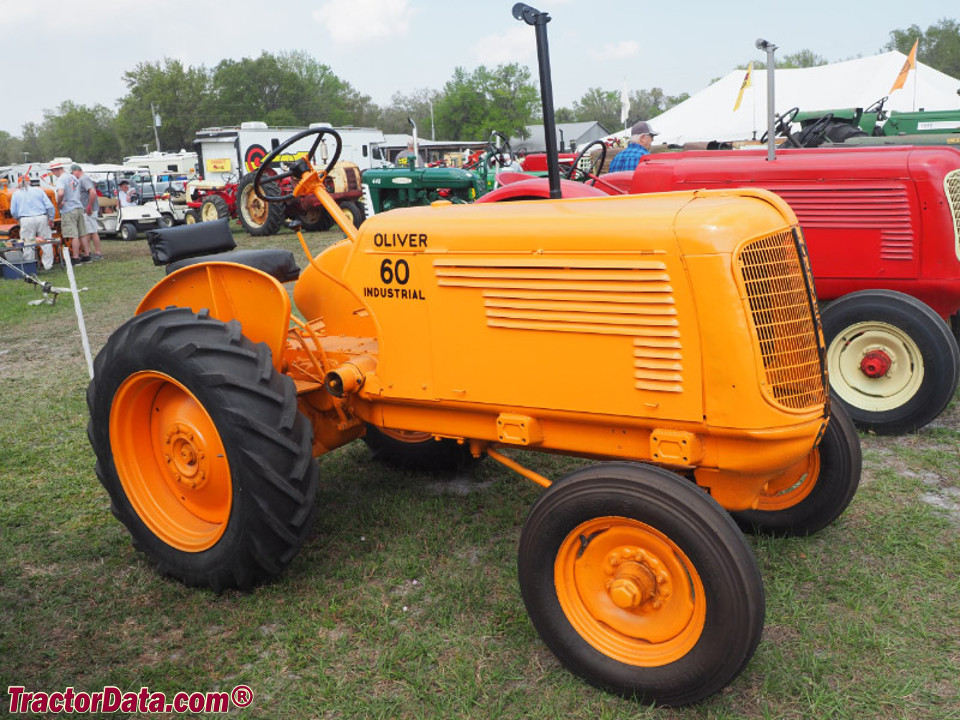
(299, 168)
(495, 150)
(811, 135)
(877, 107)
(595, 165)
(781, 124)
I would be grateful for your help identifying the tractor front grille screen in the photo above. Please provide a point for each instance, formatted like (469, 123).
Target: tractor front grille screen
(951, 186)
(782, 316)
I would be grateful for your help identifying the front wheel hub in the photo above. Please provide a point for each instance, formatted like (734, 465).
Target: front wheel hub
(875, 364)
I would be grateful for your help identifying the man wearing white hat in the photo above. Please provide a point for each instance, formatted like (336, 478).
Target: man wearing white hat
(73, 227)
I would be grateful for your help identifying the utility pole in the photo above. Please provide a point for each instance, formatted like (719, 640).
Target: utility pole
(155, 117)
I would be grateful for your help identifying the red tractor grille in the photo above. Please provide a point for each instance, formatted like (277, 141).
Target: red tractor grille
(783, 316)
(951, 186)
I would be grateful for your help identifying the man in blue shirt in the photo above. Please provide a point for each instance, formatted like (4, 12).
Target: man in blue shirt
(641, 138)
(34, 212)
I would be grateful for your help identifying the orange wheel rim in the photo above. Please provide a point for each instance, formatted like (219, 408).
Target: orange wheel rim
(793, 486)
(407, 436)
(630, 592)
(171, 461)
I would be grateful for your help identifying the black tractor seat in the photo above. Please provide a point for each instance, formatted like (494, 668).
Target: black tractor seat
(179, 247)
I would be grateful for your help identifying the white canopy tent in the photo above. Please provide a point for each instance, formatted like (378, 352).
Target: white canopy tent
(709, 115)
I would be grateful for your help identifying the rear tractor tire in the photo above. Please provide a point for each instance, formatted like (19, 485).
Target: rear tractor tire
(640, 583)
(813, 493)
(893, 362)
(258, 217)
(201, 448)
(354, 213)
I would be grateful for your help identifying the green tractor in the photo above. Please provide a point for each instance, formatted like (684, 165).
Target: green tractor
(390, 188)
(870, 126)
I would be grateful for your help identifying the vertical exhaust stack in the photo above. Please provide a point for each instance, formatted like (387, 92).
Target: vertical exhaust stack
(539, 20)
(770, 48)
(416, 141)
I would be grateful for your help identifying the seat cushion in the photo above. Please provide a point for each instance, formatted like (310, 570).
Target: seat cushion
(278, 263)
(170, 244)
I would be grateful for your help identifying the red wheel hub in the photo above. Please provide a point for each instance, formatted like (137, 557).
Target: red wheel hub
(875, 364)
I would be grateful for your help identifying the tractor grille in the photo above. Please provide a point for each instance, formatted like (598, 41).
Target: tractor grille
(882, 208)
(624, 297)
(783, 318)
(951, 186)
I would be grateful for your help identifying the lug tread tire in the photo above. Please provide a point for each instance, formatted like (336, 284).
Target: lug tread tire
(267, 441)
(275, 211)
(356, 210)
(220, 206)
(733, 587)
(928, 331)
(837, 482)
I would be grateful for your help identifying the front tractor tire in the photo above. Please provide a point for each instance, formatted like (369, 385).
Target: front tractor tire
(813, 493)
(640, 583)
(191, 217)
(214, 207)
(201, 448)
(893, 362)
(257, 216)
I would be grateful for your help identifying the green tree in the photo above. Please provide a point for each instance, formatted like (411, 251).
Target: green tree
(600, 105)
(604, 106)
(939, 46)
(259, 89)
(179, 94)
(416, 105)
(83, 133)
(11, 149)
(473, 104)
(287, 89)
(800, 59)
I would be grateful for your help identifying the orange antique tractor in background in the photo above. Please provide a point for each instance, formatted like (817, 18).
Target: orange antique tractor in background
(674, 338)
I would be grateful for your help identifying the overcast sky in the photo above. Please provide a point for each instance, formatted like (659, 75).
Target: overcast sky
(78, 50)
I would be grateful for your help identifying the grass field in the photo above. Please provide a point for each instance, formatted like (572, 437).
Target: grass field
(404, 601)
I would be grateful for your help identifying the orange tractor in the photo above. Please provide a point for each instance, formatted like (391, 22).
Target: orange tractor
(9, 227)
(674, 338)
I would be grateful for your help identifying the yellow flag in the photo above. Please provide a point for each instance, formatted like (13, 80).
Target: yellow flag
(743, 86)
(910, 64)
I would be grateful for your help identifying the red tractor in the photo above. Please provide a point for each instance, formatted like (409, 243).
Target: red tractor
(883, 229)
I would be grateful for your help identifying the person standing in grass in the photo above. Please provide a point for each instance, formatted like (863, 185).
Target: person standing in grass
(72, 225)
(32, 209)
(91, 208)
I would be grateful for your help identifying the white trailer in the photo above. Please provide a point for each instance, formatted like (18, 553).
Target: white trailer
(159, 163)
(228, 153)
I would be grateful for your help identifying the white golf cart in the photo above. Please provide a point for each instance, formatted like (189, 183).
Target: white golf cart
(130, 221)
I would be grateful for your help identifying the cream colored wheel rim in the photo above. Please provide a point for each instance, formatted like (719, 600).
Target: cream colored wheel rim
(853, 358)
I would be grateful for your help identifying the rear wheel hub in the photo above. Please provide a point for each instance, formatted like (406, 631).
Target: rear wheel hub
(876, 364)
